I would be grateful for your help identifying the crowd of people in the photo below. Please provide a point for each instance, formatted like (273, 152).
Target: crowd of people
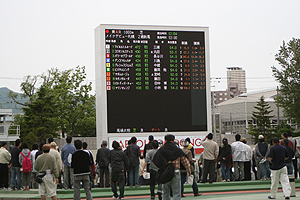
(167, 165)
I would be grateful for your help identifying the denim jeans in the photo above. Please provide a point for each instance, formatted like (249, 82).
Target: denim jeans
(264, 167)
(16, 173)
(225, 169)
(194, 186)
(134, 171)
(118, 176)
(85, 179)
(290, 168)
(68, 173)
(175, 185)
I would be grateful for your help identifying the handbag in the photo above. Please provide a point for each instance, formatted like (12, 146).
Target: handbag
(166, 173)
(39, 178)
(146, 175)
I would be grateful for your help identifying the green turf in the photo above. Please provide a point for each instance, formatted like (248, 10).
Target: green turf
(144, 190)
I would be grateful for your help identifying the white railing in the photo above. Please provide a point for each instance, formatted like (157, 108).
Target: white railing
(13, 130)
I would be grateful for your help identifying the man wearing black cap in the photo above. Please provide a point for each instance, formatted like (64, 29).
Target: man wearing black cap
(4, 161)
(170, 153)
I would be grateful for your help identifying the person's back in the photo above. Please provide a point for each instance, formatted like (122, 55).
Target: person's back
(278, 155)
(238, 151)
(56, 155)
(119, 162)
(102, 159)
(66, 156)
(81, 163)
(45, 165)
(46, 161)
(277, 152)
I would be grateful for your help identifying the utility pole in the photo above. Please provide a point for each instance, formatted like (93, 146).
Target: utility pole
(214, 117)
(277, 108)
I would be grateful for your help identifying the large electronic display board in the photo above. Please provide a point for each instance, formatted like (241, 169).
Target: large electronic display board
(152, 78)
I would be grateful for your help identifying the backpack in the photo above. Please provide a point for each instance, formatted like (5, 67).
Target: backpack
(26, 163)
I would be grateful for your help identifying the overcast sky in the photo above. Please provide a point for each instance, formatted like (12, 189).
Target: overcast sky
(39, 35)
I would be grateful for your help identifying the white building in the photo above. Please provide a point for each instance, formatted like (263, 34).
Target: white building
(7, 132)
(236, 75)
(235, 114)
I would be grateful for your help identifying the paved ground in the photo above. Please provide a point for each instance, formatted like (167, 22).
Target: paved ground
(246, 190)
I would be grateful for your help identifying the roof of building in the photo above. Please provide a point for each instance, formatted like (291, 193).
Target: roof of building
(252, 97)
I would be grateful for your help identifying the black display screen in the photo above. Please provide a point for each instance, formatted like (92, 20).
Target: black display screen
(155, 81)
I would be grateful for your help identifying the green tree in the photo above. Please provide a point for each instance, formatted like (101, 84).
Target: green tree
(40, 119)
(65, 96)
(281, 128)
(262, 119)
(288, 77)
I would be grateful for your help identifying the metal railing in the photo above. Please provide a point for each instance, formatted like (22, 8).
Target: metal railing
(10, 130)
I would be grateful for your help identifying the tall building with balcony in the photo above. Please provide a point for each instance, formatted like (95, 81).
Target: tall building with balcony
(236, 75)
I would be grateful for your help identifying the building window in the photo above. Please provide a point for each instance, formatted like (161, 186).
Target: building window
(221, 99)
(221, 94)
(225, 93)
(225, 99)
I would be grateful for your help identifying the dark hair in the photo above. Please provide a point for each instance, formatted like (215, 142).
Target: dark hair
(104, 143)
(78, 144)
(271, 142)
(285, 135)
(46, 148)
(151, 138)
(210, 136)
(225, 141)
(84, 145)
(237, 137)
(17, 142)
(41, 145)
(69, 139)
(35, 146)
(261, 140)
(50, 139)
(115, 145)
(129, 142)
(275, 140)
(289, 133)
(133, 140)
(286, 142)
(169, 137)
(188, 139)
(3, 144)
(25, 145)
(155, 144)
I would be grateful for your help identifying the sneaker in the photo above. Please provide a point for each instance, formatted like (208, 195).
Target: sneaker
(287, 197)
(228, 180)
(152, 197)
(7, 189)
(137, 186)
(113, 197)
(131, 186)
(270, 197)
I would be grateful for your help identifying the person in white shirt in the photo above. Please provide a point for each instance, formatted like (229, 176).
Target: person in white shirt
(239, 151)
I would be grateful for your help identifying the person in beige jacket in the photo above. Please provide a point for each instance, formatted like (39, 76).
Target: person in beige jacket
(189, 155)
(210, 154)
(56, 155)
(4, 161)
